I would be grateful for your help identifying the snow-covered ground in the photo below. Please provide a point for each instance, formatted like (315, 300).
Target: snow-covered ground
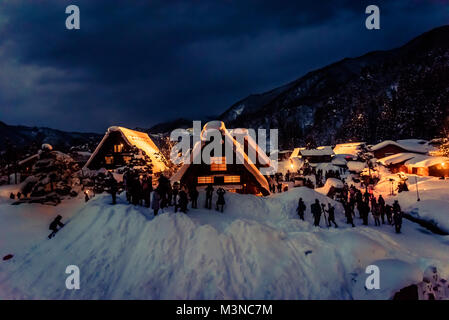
(256, 249)
(433, 193)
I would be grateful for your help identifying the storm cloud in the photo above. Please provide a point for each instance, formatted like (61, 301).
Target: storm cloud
(137, 63)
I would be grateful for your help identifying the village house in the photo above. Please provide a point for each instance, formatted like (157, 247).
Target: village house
(121, 146)
(349, 151)
(388, 147)
(412, 163)
(319, 155)
(244, 177)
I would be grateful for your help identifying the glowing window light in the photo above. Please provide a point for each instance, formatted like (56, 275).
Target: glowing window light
(209, 179)
(231, 179)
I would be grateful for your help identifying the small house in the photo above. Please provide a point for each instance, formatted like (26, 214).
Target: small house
(318, 155)
(121, 146)
(428, 166)
(418, 164)
(389, 147)
(237, 176)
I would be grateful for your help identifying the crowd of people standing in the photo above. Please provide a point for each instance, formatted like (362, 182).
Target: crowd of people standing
(351, 199)
(140, 191)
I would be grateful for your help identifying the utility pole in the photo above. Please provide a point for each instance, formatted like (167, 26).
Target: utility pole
(417, 192)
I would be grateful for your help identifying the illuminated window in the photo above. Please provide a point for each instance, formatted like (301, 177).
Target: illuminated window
(232, 179)
(218, 163)
(109, 159)
(127, 159)
(118, 148)
(209, 179)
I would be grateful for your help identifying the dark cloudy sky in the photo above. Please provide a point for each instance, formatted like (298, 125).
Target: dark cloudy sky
(137, 63)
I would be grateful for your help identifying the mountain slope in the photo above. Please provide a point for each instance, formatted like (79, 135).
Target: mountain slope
(400, 93)
(23, 137)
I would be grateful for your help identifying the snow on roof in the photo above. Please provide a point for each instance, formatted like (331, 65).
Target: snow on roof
(327, 167)
(339, 161)
(426, 161)
(320, 151)
(411, 145)
(351, 148)
(141, 140)
(417, 144)
(396, 158)
(253, 147)
(413, 160)
(330, 182)
(296, 152)
(356, 166)
(22, 162)
(219, 125)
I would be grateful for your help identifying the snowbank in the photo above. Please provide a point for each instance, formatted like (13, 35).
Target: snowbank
(330, 182)
(256, 249)
(434, 197)
(356, 166)
(393, 274)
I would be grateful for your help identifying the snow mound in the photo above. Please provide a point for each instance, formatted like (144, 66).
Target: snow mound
(434, 211)
(394, 274)
(257, 249)
(330, 182)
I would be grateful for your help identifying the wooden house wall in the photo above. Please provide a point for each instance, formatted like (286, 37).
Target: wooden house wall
(248, 182)
(107, 149)
(388, 150)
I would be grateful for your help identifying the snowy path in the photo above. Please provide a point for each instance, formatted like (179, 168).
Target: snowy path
(257, 249)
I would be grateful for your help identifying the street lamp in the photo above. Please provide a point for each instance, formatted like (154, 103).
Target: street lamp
(417, 192)
(391, 187)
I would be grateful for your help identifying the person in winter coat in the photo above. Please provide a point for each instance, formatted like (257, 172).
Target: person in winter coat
(397, 218)
(182, 201)
(301, 208)
(381, 203)
(126, 184)
(373, 202)
(221, 200)
(209, 194)
(113, 188)
(315, 208)
(389, 214)
(366, 197)
(364, 211)
(170, 195)
(193, 193)
(331, 215)
(163, 186)
(146, 188)
(155, 202)
(54, 226)
(358, 196)
(396, 207)
(376, 214)
(135, 189)
(175, 191)
(348, 213)
(279, 187)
